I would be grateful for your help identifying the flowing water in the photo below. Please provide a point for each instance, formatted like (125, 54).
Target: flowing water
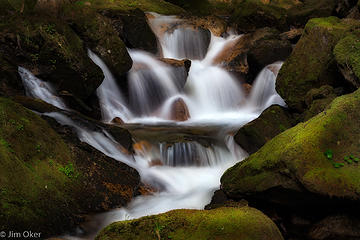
(182, 160)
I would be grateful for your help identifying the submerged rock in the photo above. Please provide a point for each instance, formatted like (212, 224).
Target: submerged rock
(312, 63)
(179, 111)
(222, 223)
(255, 134)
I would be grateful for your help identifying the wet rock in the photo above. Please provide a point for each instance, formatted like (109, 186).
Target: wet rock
(253, 51)
(133, 29)
(10, 81)
(179, 111)
(181, 69)
(293, 35)
(255, 134)
(247, 88)
(312, 62)
(246, 223)
(118, 121)
(155, 162)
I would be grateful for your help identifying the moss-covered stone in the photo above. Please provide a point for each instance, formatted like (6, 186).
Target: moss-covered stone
(347, 55)
(47, 180)
(312, 63)
(255, 134)
(319, 156)
(223, 223)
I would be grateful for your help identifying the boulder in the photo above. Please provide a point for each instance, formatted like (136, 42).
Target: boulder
(223, 223)
(312, 63)
(49, 178)
(347, 53)
(255, 134)
(180, 68)
(310, 170)
(253, 51)
(133, 29)
(179, 111)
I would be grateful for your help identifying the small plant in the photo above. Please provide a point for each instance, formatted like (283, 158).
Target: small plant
(69, 171)
(329, 154)
(157, 230)
(20, 127)
(50, 29)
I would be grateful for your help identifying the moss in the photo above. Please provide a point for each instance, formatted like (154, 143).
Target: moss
(298, 152)
(158, 6)
(347, 52)
(31, 188)
(223, 223)
(312, 63)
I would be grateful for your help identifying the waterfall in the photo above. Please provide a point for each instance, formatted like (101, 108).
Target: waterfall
(37, 88)
(182, 160)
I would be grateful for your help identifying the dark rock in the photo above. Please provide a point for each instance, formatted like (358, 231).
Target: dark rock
(133, 29)
(117, 121)
(253, 51)
(255, 134)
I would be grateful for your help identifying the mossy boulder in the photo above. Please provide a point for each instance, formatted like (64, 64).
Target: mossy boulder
(318, 157)
(255, 134)
(347, 55)
(312, 63)
(223, 223)
(48, 180)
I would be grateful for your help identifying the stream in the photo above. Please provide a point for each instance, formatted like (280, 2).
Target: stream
(182, 160)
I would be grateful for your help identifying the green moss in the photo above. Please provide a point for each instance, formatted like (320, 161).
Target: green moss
(299, 152)
(223, 223)
(31, 188)
(347, 52)
(311, 63)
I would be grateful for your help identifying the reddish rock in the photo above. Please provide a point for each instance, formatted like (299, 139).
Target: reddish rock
(155, 162)
(179, 111)
(117, 121)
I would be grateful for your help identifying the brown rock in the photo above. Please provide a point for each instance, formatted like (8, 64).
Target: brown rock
(117, 121)
(155, 162)
(179, 111)
(247, 88)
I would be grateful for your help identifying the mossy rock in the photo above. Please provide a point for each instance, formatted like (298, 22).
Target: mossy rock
(47, 179)
(306, 159)
(312, 62)
(222, 223)
(255, 134)
(347, 55)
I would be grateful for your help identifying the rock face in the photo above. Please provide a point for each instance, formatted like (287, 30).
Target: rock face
(311, 169)
(223, 223)
(48, 180)
(312, 63)
(253, 51)
(255, 134)
(179, 110)
(133, 29)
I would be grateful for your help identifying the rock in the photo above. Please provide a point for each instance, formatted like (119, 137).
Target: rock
(255, 134)
(50, 7)
(253, 51)
(309, 171)
(347, 52)
(293, 35)
(181, 69)
(312, 62)
(35, 104)
(179, 111)
(221, 223)
(117, 121)
(133, 29)
(155, 162)
(247, 88)
(336, 227)
(295, 160)
(49, 177)
(10, 81)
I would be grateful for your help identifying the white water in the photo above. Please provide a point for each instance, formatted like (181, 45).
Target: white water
(189, 171)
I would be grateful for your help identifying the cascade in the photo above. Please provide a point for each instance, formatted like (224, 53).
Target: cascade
(182, 160)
